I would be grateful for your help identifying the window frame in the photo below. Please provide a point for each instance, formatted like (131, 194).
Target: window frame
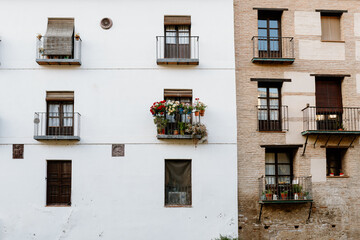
(61, 117)
(337, 15)
(339, 153)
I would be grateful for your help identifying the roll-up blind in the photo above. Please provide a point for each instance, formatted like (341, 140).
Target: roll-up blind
(60, 96)
(177, 93)
(330, 28)
(177, 20)
(58, 39)
(328, 94)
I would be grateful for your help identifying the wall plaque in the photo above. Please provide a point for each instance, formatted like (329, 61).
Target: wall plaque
(18, 151)
(118, 150)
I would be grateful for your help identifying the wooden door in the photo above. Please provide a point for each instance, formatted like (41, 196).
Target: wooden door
(60, 119)
(177, 41)
(269, 35)
(58, 182)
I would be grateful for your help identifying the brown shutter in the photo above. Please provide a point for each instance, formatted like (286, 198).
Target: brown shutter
(60, 96)
(178, 93)
(58, 182)
(177, 20)
(58, 39)
(328, 93)
(330, 28)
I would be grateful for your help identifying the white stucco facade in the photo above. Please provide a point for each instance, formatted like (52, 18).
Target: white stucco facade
(117, 197)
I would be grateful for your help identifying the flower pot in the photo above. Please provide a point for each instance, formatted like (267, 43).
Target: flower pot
(341, 174)
(176, 132)
(284, 196)
(331, 174)
(182, 132)
(268, 196)
(196, 113)
(161, 131)
(340, 129)
(202, 113)
(181, 111)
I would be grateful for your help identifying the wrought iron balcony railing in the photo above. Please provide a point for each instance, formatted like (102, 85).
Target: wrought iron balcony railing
(177, 50)
(273, 49)
(57, 126)
(285, 189)
(331, 119)
(272, 118)
(43, 59)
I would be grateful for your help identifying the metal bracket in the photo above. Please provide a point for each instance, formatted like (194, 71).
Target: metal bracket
(317, 137)
(327, 140)
(352, 141)
(307, 137)
(308, 220)
(342, 137)
(259, 221)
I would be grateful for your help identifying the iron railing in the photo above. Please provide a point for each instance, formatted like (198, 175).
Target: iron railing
(42, 58)
(331, 118)
(177, 123)
(272, 118)
(273, 47)
(285, 188)
(55, 125)
(177, 48)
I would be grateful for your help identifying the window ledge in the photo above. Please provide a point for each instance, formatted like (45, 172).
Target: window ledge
(262, 131)
(178, 206)
(338, 176)
(58, 205)
(333, 41)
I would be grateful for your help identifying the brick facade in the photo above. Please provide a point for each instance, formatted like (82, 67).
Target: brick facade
(336, 207)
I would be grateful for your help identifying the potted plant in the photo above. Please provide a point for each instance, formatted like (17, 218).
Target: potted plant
(158, 108)
(197, 129)
(39, 36)
(284, 195)
(341, 173)
(172, 107)
(77, 36)
(181, 128)
(199, 107)
(268, 194)
(161, 123)
(296, 190)
(188, 108)
(340, 126)
(331, 173)
(306, 196)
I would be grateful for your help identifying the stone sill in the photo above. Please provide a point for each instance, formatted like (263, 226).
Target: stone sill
(178, 206)
(337, 176)
(333, 41)
(165, 136)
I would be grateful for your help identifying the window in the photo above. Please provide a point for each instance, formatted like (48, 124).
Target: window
(58, 183)
(60, 113)
(330, 27)
(269, 33)
(334, 158)
(177, 182)
(329, 107)
(269, 106)
(177, 36)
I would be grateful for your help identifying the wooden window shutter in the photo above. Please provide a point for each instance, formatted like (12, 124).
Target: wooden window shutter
(58, 39)
(330, 28)
(177, 20)
(328, 93)
(58, 182)
(60, 96)
(178, 93)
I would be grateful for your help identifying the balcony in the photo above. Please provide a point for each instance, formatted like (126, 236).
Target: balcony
(177, 50)
(57, 126)
(331, 120)
(273, 49)
(285, 190)
(272, 118)
(42, 58)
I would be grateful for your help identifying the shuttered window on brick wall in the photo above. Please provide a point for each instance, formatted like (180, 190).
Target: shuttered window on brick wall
(58, 183)
(59, 37)
(328, 92)
(330, 27)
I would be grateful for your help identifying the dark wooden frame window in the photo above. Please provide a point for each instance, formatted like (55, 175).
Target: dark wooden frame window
(334, 157)
(58, 189)
(269, 33)
(60, 118)
(178, 189)
(177, 41)
(269, 107)
(329, 108)
(278, 169)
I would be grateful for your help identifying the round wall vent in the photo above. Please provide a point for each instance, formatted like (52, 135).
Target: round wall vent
(106, 23)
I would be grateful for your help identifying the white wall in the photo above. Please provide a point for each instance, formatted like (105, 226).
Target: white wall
(117, 198)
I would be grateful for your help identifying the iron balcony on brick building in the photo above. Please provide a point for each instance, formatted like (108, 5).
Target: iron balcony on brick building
(180, 50)
(272, 118)
(57, 126)
(273, 49)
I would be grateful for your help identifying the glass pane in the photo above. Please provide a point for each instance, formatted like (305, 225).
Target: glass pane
(283, 169)
(262, 33)
(269, 157)
(274, 103)
(54, 122)
(263, 103)
(171, 37)
(274, 92)
(274, 115)
(184, 38)
(263, 45)
(183, 28)
(262, 92)
(284, 180)
(54, 108)
(274, 24)
(270, 180)
(262, 23)
(274, 45)
(262, 115)
(283, 158)
(274, 33)
(269, 170)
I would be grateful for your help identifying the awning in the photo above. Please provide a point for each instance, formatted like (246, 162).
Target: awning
(177, 20)
(177, 93)
(58, 39)
(60, 96)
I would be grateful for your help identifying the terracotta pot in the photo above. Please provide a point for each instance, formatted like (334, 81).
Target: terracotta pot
(202, 113)
(268, 196)
(196, 113)
(176, 132)
(161, 131)
(284, 196)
